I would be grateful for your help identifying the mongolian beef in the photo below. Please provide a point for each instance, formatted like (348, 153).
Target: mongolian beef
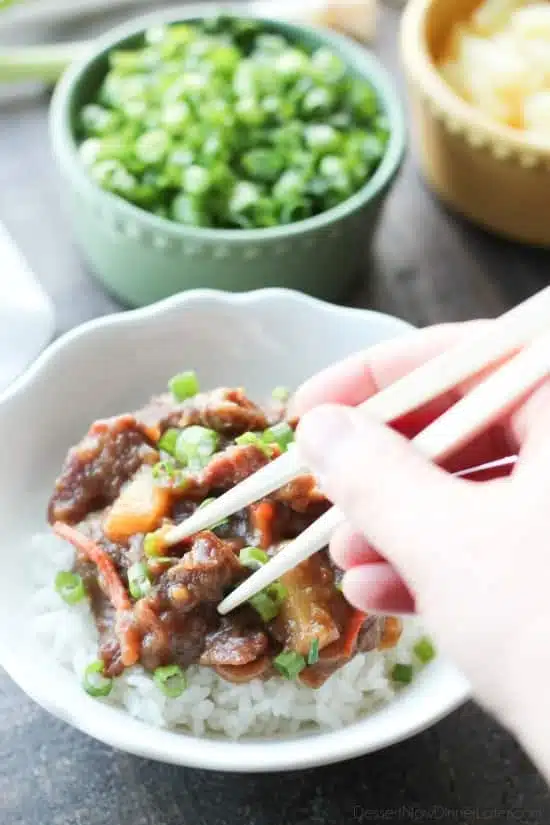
(134, 476)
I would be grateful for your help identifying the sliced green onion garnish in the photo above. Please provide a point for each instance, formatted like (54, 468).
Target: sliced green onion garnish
(268, 602)
(183, 386)
(166, 560)
(152, 546)
(280, 394)
(277, 592)
(253, 557)
(167, 441)
(289, 664)
(94, 682)
(265, 606)
(166, 473)
(256, 439)
(281, 434)
(70, 587)
(195, 445)
(138, 580)
(424, 650)
(402, 674)
(171, 680)
(248, 438)
(313, 655)
(164, 470)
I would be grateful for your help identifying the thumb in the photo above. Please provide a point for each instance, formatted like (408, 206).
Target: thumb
(408, 509)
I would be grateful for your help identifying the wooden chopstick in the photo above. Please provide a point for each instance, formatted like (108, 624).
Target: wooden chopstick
(470, 416)
(503, 338)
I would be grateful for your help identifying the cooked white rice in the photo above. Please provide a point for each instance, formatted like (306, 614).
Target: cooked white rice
(209, 705)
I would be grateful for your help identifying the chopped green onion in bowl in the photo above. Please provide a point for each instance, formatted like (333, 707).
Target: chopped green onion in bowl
(70, 587)
(207, 128)
(289, 664)
(171, 680)
(94, 682)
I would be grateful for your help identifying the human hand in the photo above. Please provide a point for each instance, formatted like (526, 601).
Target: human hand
(471, 557)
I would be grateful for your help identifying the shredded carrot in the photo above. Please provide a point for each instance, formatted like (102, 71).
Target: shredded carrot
(262, 515)
(355, 624)
(129, 637)
(115, 588)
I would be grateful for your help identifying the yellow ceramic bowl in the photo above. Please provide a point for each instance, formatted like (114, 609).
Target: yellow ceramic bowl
(495, 175)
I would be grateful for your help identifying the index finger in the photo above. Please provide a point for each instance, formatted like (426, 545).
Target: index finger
(363, 374)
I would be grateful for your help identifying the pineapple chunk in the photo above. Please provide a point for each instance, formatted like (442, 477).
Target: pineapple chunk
(140, 508)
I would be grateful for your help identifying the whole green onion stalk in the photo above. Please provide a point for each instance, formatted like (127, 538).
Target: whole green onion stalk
(39, 63)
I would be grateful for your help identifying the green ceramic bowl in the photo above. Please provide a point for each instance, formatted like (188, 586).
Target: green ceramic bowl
(142, 258)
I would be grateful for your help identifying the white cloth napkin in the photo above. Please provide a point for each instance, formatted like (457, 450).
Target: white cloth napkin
(27, 319)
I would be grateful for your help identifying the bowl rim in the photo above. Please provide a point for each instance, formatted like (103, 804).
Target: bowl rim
(461, 116)
(65, 148)
(112, 725)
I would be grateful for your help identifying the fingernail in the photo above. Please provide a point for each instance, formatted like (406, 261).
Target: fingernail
(323, 434)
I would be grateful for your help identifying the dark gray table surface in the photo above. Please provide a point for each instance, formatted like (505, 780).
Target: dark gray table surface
(427, 266)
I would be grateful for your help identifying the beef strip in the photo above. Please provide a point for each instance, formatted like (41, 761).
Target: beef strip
(289, 523)
(231, 467)
(159, 414)
(370, 634)
(170, 636)
(239, 640)
(259, 669)
(96, 469)
(300, 494)
(202, 575)
(227, 411)
(175, 620)
(224, 470)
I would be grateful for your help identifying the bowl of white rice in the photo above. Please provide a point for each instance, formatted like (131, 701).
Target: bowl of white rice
(256, 340)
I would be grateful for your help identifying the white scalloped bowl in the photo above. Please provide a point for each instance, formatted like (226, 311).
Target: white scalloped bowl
(258, 339)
